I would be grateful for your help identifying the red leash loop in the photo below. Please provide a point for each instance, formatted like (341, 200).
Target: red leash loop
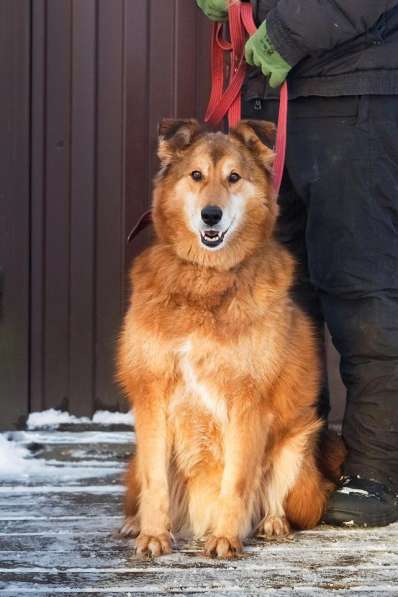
(227, 101)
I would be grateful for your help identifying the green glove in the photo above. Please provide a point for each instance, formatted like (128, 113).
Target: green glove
(260, 52)
(216, 10)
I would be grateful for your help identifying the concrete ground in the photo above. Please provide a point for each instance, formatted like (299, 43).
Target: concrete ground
(60, 510)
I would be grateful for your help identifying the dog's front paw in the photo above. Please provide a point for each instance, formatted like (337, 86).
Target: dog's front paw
(130, 527)
(223, 547)
(153, 545)
(274, 526)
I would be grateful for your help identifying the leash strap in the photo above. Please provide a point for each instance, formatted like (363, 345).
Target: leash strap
(144, 221)
(281, 139)
(226, 101)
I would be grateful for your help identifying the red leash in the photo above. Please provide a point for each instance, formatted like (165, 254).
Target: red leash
(144, 221)
(227, 101)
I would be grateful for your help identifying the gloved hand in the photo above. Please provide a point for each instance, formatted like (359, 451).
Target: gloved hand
(260, 52)
(216, 10)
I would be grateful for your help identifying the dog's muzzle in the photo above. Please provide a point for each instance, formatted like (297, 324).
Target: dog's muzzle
(211, 215)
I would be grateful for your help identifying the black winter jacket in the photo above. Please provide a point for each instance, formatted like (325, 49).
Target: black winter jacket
(337, 47)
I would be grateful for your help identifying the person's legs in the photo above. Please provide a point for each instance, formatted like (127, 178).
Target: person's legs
(291, 230)
(343, 159)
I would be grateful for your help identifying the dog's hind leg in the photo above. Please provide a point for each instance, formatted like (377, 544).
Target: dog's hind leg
(291, 480)
(178, 507)
(178, 501)
(131, 524)
(203, 490)
(280, 478)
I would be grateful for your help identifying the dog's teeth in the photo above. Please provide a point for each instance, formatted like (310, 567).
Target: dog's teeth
(213, 235)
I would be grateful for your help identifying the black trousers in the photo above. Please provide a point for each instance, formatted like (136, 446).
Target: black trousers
(339, 216)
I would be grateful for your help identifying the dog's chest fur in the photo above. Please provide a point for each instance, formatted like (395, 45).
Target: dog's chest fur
(196, 389)
(208, 372)
(198, 405)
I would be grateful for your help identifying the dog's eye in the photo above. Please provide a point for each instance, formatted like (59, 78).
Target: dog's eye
(233, 177)
(196, 175)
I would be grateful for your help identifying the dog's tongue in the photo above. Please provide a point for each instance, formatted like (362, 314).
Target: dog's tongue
(211, 233)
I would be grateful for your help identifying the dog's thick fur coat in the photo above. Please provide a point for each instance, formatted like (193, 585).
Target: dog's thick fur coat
(220, 365)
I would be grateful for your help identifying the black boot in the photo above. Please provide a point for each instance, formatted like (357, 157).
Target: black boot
(361, 502)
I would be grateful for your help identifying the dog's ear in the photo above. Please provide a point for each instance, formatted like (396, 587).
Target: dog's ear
(175, 136)
(259, 136)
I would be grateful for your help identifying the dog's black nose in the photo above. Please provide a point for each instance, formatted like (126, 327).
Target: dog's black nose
(211, 214)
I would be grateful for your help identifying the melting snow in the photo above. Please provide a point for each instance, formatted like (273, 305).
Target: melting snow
(16, 461)
(73, 437)
(18, 465)
(52, 419)
(352, 490)
(101, 489)
(105, 417)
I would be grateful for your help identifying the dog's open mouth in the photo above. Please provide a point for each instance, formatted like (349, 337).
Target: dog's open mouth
(212, 238)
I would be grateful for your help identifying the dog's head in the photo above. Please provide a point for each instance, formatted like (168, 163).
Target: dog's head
(213, 200)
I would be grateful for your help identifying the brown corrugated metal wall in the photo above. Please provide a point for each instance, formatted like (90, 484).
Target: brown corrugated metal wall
(96, 76)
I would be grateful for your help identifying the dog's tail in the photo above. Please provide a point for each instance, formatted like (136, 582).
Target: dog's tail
(332, 454)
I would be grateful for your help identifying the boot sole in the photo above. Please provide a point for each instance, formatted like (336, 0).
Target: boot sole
(335, 517)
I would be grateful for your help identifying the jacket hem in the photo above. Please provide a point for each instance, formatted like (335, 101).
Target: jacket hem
(371, 83)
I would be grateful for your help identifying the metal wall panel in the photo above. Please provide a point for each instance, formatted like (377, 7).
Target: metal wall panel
(14, 209)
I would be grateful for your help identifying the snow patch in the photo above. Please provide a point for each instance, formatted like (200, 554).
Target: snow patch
(52, 419)
(73, 437)
(16, 461)
(105, 417)
(17, 464)
(349, 490)
(348, 523)
(100, 489)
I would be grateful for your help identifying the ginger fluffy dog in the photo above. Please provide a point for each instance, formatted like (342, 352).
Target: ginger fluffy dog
(220, 365)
